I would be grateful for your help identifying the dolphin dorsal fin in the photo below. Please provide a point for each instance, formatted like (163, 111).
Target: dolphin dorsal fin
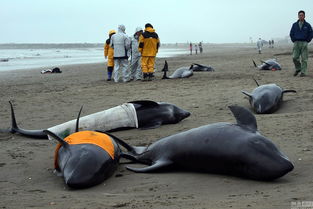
(244, 117)
(59, 139)
(257, 83)
(77, 121)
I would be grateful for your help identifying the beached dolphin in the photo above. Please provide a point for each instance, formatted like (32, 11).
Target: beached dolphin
(143, 114)
(224, 148)
(266, 98)
(201, 68)
(270, 64)
(182, 72)
(85, 158)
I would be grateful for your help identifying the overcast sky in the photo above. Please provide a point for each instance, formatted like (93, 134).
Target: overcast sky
(218, 21)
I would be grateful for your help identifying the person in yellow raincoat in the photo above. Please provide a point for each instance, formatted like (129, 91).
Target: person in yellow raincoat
(109, 53)
(149, 44)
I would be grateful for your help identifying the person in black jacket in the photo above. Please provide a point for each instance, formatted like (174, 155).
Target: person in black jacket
(301, 34)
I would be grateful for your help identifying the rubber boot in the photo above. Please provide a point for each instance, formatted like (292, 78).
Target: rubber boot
(110, 70)
(145, 77)
(150, 77)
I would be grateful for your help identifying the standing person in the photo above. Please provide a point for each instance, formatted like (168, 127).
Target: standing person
(270, 43)
(121, 44)
(135, 64)
(301, 34)
(190, 48)
(108, 53)
(259, 45)
(149, 44)
(196, 48)
(200, 47)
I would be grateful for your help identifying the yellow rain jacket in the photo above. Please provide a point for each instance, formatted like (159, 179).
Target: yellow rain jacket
(109, 51)
(149, 43)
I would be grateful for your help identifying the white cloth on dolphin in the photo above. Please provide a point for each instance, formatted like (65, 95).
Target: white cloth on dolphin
(117, 117)
(182, 72)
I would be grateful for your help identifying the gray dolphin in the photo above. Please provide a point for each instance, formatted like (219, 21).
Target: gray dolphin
(143, 114)
(85, 158)
(201, 68)
(270, 64)
(224, 148)
(266, 98)
(182, 72)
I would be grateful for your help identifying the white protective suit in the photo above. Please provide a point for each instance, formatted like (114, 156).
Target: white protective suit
(121, 44)
(135, 62)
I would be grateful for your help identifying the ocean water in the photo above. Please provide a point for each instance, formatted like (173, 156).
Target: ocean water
(46, 56)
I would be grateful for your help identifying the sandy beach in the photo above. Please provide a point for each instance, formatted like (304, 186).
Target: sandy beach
(44, 100)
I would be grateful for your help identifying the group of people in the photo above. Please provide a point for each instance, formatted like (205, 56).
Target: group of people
(141, 48)
(196, 48)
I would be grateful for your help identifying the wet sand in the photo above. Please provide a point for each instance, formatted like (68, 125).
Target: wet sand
(41, 101)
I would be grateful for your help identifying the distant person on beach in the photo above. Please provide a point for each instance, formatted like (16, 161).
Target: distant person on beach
(108, 53)
(121, 45)
(259, 45)
(200, 47)
(149, 44)
(196, 48)
(135, 64)
(301, 34)
(190, 48)
(270, 43)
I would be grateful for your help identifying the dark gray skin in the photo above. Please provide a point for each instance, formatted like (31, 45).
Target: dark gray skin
(85, 165)
(224, 148)
(150, 114)
(270, 64)
(201, 68)
(183, 72)
(266, 99)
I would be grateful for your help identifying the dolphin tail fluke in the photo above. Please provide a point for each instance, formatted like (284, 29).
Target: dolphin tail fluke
(14, 126)
(254, 64)
(289, 91)
(154, 167)
(165, 69)
(38, 134)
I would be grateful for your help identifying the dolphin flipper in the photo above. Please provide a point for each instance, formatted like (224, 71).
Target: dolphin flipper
(155, 166)
(151, 125)
(289, 91)
(198, 65)
(246, 93)
(254, 63)
(244, 117)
